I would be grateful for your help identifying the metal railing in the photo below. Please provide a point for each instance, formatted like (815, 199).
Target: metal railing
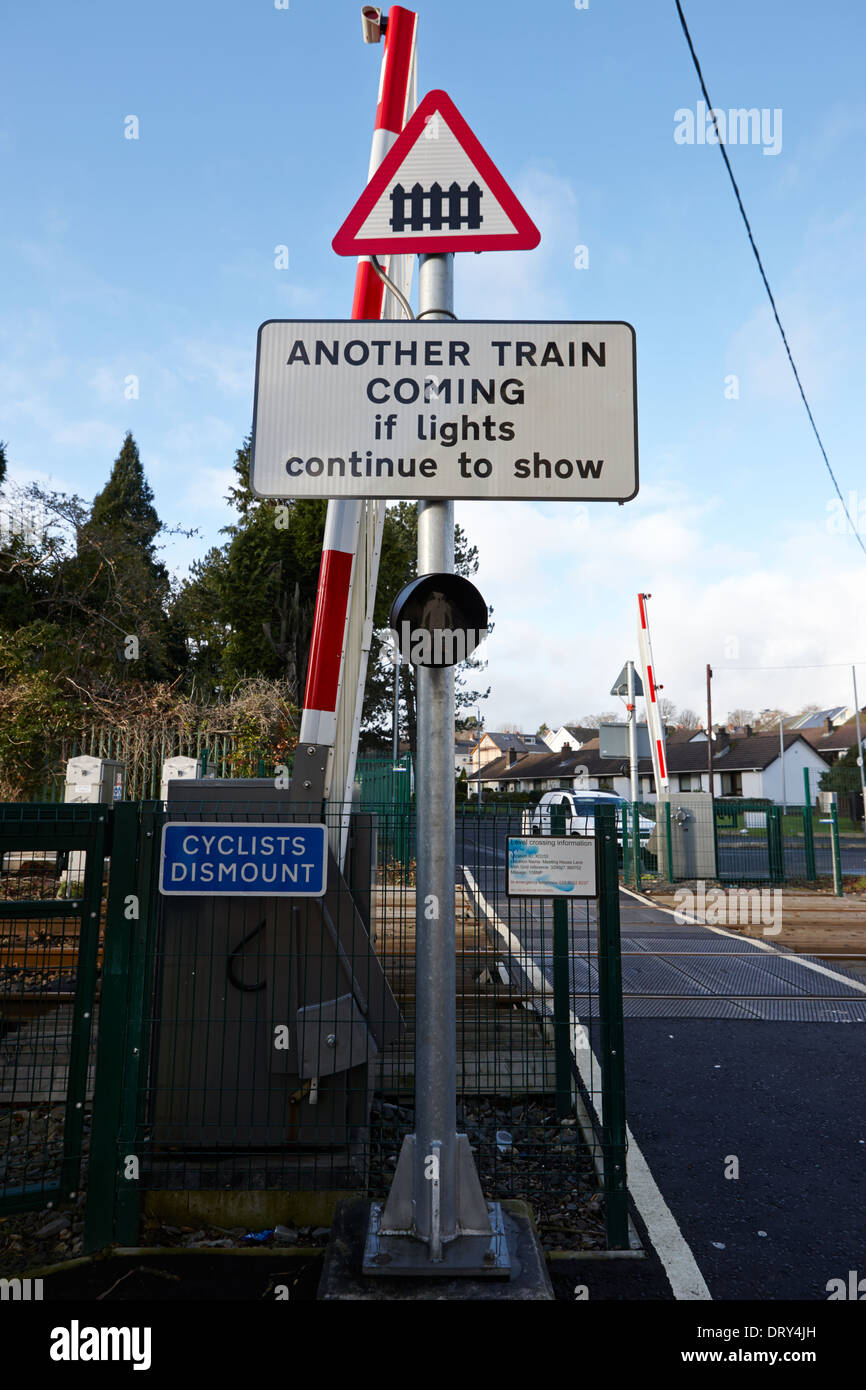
(739, 841)
(51, 930)
(216, 1063)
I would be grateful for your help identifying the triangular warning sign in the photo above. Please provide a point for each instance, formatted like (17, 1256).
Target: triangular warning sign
(437, 189)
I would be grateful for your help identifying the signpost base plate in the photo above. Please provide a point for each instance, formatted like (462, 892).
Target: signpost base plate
(479, 1257)
(342, 1277)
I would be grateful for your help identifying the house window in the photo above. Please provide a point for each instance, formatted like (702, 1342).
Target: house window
(564, 784)
(646, 786)
(605, 784)
(732, 784)
(690, 782)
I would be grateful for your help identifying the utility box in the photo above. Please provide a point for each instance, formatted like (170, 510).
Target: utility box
(178, 769)
(693, 840)
(269, 1010)
(90, 781)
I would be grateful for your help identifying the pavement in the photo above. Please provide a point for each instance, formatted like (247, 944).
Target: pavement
(745, 1072)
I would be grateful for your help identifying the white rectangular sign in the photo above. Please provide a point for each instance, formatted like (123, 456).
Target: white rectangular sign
(464, 409)
(545, 866)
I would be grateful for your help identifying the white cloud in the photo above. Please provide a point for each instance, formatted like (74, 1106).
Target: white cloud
(521, 284)
(565, 601)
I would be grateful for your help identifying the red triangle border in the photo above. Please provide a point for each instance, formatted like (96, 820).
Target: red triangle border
(525, 237)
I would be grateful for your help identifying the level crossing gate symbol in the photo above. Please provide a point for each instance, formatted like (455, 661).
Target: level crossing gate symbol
(434, 219)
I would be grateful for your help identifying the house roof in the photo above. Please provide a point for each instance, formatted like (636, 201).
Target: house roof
(506, 741)
(841, 738)
(532, 766)
(816, 719)
(734, 755)
(757, 750)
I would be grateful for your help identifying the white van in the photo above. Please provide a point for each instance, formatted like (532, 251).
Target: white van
(579, 810)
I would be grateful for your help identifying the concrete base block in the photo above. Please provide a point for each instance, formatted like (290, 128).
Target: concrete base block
(342, 1279)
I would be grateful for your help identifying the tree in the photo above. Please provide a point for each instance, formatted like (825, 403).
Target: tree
(768, 720)
(248, 606)
(739, 718)
(83, 586)
(687, 719)
(667, 710)
(114, 589)
(843, 776)
(592, 721)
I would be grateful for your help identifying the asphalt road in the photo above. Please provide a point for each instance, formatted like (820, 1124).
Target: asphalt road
(777, 1102)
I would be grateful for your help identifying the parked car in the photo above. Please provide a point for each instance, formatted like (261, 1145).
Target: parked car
(579, 810)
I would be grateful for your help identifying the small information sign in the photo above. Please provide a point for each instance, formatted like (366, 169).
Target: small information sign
(550, 866)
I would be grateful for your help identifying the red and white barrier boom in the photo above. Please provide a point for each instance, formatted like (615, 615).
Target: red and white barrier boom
(654, 719)
(343, 623)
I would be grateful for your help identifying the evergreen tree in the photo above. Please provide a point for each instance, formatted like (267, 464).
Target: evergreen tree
(248, 607)
(114, 589)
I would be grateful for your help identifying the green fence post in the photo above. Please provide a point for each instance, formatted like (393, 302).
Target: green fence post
(837, 856)
(635, 844)
(139, 1005)
(808, 830)
(561, 994)
(627, 842)
(775, 851)
(82, 1008)
(669, 847)
(611, 1035)
(108, 1083)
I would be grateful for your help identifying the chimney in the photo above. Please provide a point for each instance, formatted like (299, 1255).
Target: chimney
(828, 726)
(747, 730)
(511, 757)
(566, 748)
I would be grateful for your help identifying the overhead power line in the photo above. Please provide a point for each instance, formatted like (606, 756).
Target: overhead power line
(810, 666)
(724, 154)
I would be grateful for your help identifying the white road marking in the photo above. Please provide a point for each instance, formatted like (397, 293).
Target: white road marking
(752, 940)
(679, 1263)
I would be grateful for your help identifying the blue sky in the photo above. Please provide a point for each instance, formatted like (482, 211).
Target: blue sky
(155, 258)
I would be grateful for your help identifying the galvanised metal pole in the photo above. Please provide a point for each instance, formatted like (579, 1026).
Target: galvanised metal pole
(632, 764)
(632, 731)
(436, 989)
(436, 1219)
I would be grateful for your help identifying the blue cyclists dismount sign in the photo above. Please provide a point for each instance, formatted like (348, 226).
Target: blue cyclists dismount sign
(207, 859)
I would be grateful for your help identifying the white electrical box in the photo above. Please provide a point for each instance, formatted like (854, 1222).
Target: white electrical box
(90, 781)
(177, 769)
